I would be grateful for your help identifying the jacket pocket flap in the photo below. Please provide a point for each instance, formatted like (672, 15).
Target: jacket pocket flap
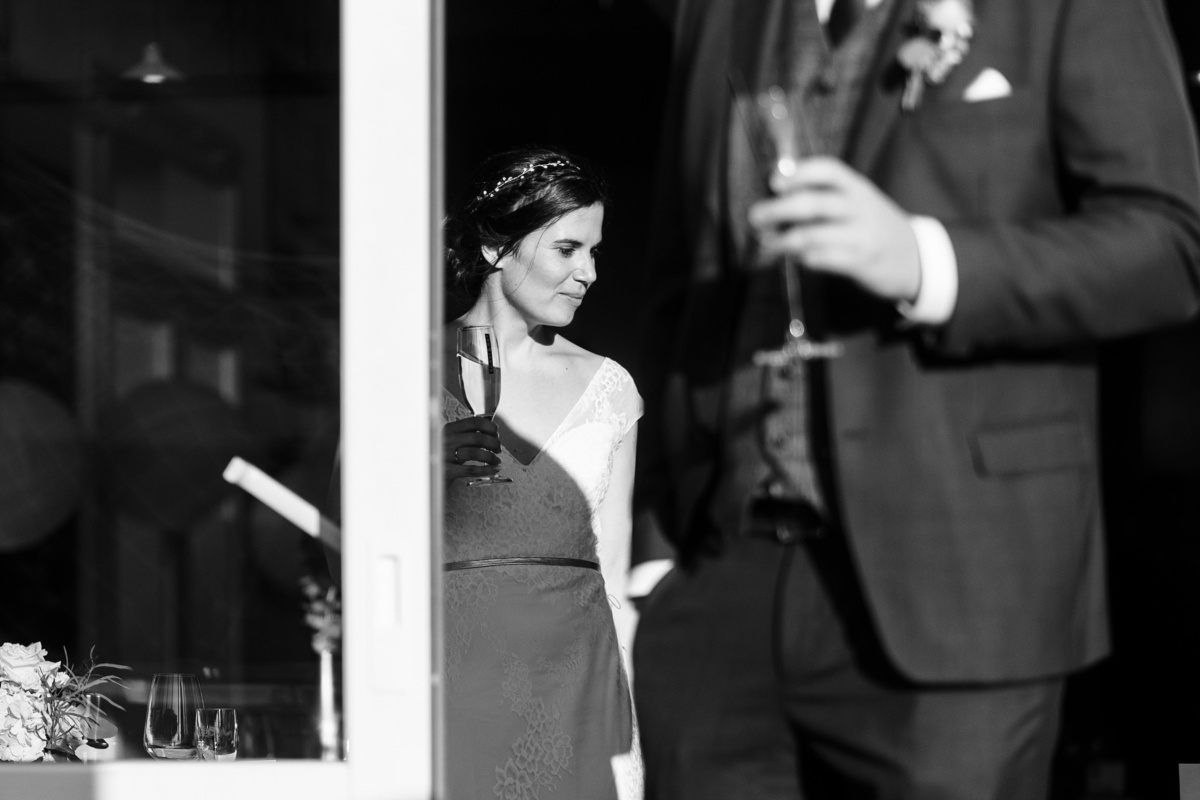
(1032, 448)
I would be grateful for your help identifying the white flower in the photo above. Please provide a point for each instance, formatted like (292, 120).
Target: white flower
(941, 37)
(948, 17)
(25, 665)
(42, 702)
(22, 735)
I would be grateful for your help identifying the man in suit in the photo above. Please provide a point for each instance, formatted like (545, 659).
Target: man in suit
(890, 557)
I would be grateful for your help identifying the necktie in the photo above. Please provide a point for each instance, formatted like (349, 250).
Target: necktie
(842, 16)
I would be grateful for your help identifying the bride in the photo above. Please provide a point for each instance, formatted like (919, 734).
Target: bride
(537, 694)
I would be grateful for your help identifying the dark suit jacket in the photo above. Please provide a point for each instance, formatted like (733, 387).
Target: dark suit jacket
(963, 457)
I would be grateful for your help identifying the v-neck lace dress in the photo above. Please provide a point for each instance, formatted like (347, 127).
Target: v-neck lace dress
(537, 701)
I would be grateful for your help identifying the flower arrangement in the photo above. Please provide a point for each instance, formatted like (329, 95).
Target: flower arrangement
(44, 713)
(323, 613)
(941, 37)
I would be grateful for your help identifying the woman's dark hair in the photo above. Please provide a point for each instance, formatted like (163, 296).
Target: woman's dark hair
(513, 194)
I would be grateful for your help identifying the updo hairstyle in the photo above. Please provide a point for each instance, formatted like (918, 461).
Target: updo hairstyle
(513, 194)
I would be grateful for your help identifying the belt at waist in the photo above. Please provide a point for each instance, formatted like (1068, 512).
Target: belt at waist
(785, 521)
(547, 561)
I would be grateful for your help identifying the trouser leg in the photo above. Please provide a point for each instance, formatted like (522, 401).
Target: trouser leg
(864, 731)
(711, 713)
(759, 676)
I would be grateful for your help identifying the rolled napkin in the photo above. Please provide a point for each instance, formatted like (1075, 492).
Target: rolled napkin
(282, 500)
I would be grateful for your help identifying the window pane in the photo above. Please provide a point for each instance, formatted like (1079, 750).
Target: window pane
(169, 300)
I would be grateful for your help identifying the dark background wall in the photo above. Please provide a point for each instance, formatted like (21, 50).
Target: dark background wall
(586, 75)
(1136, 710)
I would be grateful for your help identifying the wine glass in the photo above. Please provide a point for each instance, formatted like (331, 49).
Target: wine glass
(479, 379)
(216, 734)
(170, 732)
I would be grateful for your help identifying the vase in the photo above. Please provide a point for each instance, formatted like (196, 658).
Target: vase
(329, 727)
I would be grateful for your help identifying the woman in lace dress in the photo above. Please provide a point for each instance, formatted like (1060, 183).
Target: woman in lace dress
(537, 697)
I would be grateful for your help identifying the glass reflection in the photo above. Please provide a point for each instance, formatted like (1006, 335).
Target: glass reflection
(169, 293)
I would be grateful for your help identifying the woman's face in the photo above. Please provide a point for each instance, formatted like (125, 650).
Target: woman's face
(545, 278)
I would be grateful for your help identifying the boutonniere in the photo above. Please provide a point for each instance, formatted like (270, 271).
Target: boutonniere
(941, 37)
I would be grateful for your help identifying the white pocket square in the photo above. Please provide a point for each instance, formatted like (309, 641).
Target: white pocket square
(988, 85)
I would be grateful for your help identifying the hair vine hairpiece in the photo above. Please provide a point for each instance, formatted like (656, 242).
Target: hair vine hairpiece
(500, 184)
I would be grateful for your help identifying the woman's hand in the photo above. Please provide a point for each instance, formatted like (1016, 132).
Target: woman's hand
(469, 448)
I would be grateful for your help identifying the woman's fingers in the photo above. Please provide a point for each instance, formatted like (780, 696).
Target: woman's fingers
(464, 453)
(458, 472)
(470, 441)
(471, 460)
(470, 448)
(467, 424)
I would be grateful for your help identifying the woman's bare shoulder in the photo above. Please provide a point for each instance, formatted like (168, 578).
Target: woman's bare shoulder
(576, 358)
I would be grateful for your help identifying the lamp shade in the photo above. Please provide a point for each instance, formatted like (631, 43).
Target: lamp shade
(152, 68)
(164, 447)
(41, 465)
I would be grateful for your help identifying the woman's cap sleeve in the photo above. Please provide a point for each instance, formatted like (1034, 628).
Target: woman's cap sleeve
(627, 401)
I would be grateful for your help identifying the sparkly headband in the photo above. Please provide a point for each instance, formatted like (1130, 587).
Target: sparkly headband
(500, 184)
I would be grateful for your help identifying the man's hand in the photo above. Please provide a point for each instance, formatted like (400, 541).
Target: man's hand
(832, 219)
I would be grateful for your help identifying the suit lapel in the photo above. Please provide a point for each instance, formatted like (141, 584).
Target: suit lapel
(879, 110)
(756, 40)
(751, 67)
(879, 107)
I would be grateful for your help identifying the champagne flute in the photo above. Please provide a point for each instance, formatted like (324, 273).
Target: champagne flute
(479, 379)
(780, 136)
(170, 732)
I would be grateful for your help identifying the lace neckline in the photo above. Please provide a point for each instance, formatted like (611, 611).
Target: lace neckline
(587, 390)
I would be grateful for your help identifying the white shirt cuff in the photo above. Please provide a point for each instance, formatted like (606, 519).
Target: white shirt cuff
(646, 575)
(939, 274)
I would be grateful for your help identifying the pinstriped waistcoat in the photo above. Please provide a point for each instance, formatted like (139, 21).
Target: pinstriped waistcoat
(775, 406)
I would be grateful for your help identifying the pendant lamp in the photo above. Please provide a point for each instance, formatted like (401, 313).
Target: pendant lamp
(152, 68)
